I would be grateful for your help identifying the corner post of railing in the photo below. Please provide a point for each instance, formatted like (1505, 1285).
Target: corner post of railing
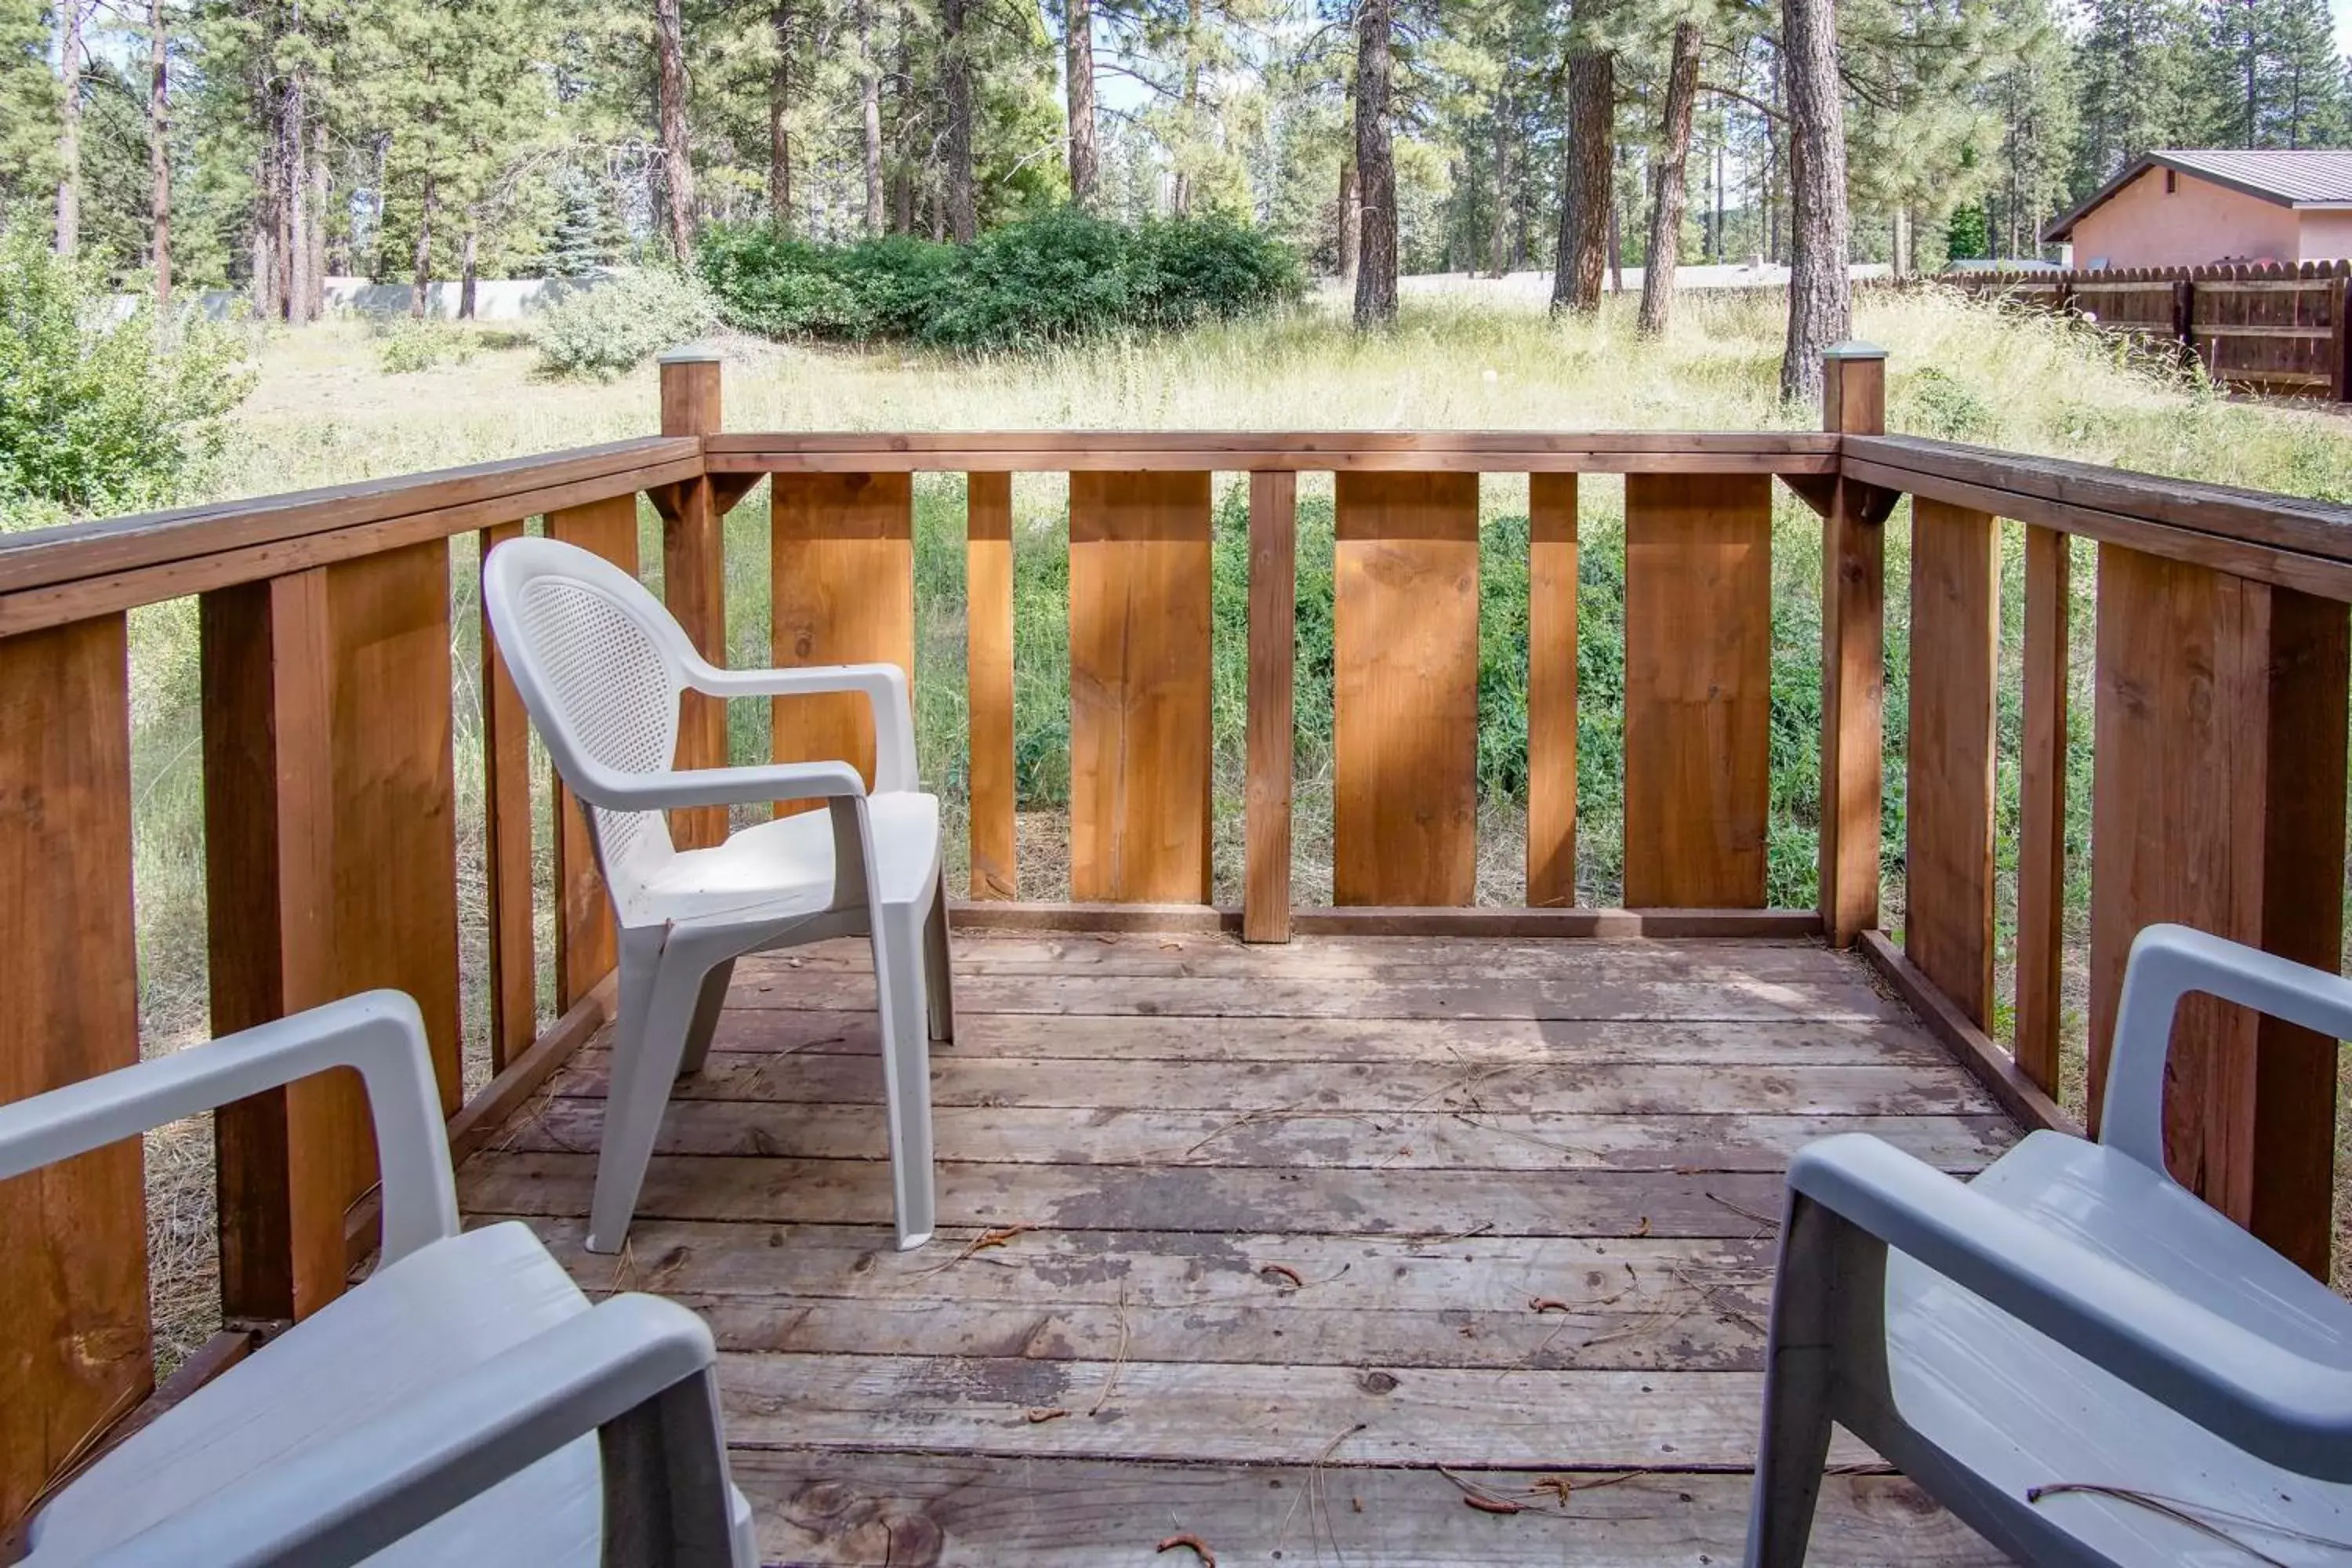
(1853, 615)
(694, 572)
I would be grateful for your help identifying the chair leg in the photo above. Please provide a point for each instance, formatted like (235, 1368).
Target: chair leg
(938, 980)
(1801, 1361)
(647, 1051)
(905, 1067)
(707, 1005)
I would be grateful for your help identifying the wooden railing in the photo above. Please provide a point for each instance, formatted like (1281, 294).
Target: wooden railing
(331, 807)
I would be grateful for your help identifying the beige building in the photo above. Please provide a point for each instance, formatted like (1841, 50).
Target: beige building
(2195, 209)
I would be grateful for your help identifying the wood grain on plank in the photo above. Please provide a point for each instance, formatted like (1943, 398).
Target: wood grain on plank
(1405, 690)
(1947, 875)
(840, 1507)
(1472, 1042)
(842, 559)
(2041, 806)
(1432, 1204)
(1272, 720)
(1160, 1410)
(1285, 1137)
(1364, 1090)
(2218, 803)
(587, 943)
(988, 671)
(1698, 652)
(1551, 689)
(1139, 744)
(694, 590)
(507, 854)
(74, 1354)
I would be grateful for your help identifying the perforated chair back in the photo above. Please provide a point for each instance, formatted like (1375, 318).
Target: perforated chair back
(600, 664)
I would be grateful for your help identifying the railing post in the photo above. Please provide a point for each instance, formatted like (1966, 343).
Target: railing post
(694, 577)
(1273, 723)
(73, 1292)
(988, 672)
(1854, 632)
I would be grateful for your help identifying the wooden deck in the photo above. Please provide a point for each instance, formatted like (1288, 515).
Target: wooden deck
(1356, 1250)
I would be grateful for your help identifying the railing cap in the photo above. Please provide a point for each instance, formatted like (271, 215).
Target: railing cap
(1854, 349)
(691, 353)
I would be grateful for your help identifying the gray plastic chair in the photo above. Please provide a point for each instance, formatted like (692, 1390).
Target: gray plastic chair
(601, 666)
(2070, 1325)
(463, 1406)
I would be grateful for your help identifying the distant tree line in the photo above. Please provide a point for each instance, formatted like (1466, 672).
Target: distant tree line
(266, 144)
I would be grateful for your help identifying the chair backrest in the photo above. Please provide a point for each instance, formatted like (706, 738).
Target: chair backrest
(600, 666)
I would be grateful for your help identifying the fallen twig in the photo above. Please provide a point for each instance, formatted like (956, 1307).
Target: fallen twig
(1286, 1271)
(1744, 1212)
(997, 1236)
(1039, 1414)
(1479, 1497)
(1117, 1360)
(1198, 1547)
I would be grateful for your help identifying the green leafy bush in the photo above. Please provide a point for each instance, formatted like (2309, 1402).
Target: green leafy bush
(100, 411)
(408, 346)
(1058, 278)
(617, 326)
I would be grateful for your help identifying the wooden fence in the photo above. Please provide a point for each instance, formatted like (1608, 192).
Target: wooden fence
(328, 753)
(2268, 328)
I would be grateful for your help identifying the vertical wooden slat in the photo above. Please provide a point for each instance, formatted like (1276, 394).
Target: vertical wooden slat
(331, 821)
(73, 1292)
(1947, 915)
(1140, 687)
(587, 944)
(507, 842)
(988, 671)
(1698, 674)
(1853, 677)
(2218, 802)
(694, 580)
(2041, 806)
(1405, 690)
(1551, 689)
(1273, 723)
(843, 557)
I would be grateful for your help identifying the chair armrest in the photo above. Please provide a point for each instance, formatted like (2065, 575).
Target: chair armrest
(616, 791)
(2246, 1389)
(379, 1033)
(2167, 963)
(343, 1501)
(884, 686)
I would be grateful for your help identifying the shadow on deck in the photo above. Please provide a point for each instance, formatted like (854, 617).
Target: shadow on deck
(1356, 1250)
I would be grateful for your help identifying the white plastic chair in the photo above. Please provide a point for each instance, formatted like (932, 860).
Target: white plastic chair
(2072, 1352)
(601, 667)
(452, 1409)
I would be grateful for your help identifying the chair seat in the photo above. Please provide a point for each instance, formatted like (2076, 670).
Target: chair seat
(438, 1313)
(784, 867)
(2014, 1406)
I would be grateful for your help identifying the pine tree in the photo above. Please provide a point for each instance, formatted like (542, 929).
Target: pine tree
(2140, 85)
(581, 243)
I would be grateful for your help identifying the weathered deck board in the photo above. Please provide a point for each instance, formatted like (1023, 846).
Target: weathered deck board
(1319, 1217)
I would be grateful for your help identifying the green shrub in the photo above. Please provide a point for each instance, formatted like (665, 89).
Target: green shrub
(408, 346)
(617, 326)
(100, 411)
(1058, 278)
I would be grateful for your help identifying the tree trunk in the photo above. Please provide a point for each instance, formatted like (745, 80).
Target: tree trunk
(869, 92)
(1902, 246)
(72, 60)
(292, 147)
(1585, 196)
(159, 150)
(1667, 187)
(1188, 110)
(963, 217)
(1376, 247)
(678, 156)
(779, 103)
(1086, 153)
(1821, 304)
(321, 188)
(420, 281)
(1351, 220)
(1498, 261)
(1714, 232)
(465, 278)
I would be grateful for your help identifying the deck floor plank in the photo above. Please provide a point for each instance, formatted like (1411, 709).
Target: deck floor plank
(1295, 1226)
